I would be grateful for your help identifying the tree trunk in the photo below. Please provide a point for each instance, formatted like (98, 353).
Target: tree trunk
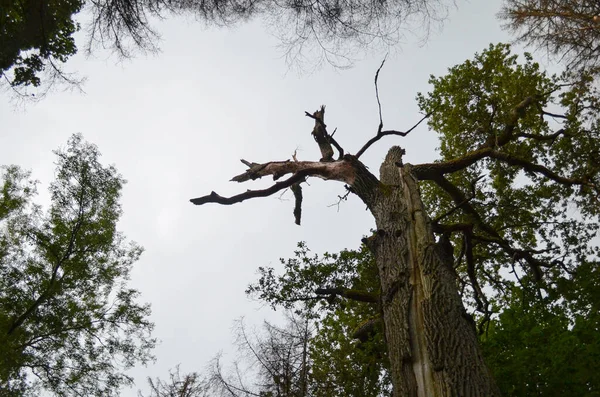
(432, 345)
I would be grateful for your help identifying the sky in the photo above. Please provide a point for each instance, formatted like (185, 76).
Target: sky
(176, 124)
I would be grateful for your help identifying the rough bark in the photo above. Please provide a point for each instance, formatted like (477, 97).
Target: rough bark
(432, 345)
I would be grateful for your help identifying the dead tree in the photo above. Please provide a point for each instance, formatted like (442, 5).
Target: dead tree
(432, 346)
(431, 340)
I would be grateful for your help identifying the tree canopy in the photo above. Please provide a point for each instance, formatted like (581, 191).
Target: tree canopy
(36, 37)
(69, 324)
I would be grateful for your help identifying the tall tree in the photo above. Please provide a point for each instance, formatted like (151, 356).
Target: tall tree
(36, 37)
(491, 114)
(69, 324)
(568, 29)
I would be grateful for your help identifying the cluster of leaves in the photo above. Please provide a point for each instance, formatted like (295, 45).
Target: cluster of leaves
(35, 33)
(68, 322)
(541, 213)
(339, 365)
(303, 274)
(541, 345)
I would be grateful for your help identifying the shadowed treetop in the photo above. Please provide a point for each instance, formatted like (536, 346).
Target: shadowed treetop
(36, 37)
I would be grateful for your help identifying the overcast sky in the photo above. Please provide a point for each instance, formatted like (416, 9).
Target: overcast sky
(176, 124)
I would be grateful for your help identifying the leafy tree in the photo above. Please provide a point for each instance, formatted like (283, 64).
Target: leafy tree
(536, 346)
(68, 322)
(514, 194)
(37, 36)
(339, 365)
(568, 29)
(46, 27)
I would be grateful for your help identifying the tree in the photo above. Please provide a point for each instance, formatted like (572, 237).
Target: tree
(340, 366)
(568, 29)
(188, 385)
(304, 358)
(277, 358)
(42, 26)
(37, 36)
(273, 362)
(68, 322)
(491, 114)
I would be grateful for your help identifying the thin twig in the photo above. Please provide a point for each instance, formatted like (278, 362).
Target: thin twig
(341, 198)
(377, 95)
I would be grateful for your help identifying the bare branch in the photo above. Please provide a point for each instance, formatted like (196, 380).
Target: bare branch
(342, 171)
(341, 198)
(238, 198)
(459, 198)
(557, 116)
(377, 95)
(297, 190)
(322, 137)
(381, 134)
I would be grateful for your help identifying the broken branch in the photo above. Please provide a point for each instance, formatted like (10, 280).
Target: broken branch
(213, 197)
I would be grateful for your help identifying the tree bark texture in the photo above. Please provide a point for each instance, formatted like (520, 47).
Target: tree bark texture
(432, 345)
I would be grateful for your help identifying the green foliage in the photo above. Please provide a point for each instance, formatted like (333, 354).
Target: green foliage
(304, 273)
(475, 100)
(538, 195)
(471, 108)
(544, 347)
(340, 365)
(343, 366)
(35, 34)
(68, 322)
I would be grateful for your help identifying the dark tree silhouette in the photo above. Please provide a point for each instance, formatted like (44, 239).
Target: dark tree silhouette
(36, 37)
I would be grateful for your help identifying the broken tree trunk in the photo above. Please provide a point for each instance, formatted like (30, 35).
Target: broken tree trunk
(432, 345)
(431, 341)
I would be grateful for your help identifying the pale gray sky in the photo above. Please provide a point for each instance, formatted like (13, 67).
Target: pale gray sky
(176, 124)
